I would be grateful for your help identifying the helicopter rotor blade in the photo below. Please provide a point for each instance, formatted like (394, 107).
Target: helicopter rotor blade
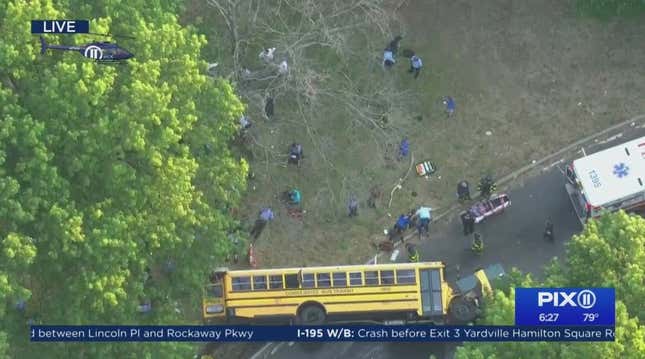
(112, 35)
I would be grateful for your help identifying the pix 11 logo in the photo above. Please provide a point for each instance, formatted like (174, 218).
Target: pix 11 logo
(565, 306)
(585, 299)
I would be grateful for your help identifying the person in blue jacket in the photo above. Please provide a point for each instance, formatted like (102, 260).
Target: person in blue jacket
(404, 148)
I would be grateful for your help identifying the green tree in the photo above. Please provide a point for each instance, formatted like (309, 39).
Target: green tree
(609, 8)
(609, 253)
(110, 175)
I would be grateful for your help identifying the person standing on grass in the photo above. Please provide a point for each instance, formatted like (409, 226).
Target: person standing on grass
(245, 123)
(295, 154)
(415, 65)
(353, 206)
(295, 197)
(268, 108)
(266, 215)
(487, 186)
(404, 148)
(388, 59)
(450, 105)
(267, 54)
(463, 191)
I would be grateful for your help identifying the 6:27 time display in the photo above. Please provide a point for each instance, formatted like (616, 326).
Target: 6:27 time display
(548, 317)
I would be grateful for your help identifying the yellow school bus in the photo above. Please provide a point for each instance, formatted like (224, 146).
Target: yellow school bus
(410, 292)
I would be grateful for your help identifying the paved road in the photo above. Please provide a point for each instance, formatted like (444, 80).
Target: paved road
(513, 238)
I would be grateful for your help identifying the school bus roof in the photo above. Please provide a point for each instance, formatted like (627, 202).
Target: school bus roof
(341, 268)
(613, 174)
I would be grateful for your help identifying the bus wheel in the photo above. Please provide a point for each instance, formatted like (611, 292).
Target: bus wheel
(311, 314)
(463, 310)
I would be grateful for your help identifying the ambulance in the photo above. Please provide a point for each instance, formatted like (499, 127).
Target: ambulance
(608, 180)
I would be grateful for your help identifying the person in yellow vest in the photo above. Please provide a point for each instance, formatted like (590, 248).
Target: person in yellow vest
(413, 254)
(487, 186)
(478, 244)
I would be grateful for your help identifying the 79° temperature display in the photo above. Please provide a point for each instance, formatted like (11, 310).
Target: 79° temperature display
(565, 306)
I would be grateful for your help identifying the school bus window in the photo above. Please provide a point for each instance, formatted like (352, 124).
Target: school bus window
(241, 283)
(387, 277)
(259, 282)
(291, 281)
(308, 280)
(405, 276)
(340, 279)
(324, 280)
(275, 282)
(371, 278)
(355, 278)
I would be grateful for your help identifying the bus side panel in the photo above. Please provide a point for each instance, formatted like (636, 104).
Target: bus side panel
(404, 298)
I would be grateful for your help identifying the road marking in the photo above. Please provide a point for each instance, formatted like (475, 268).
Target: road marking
(259, 352)
(291, 344)
(276, 348)
(612, 138)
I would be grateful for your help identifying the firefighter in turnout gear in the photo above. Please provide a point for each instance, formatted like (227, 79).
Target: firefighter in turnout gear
(413, 254)
(478, 244)
(487, 186)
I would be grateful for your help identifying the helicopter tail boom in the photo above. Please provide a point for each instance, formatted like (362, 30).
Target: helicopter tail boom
(44, 46)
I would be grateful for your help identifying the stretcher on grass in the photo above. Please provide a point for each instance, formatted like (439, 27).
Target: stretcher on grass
(425, 168)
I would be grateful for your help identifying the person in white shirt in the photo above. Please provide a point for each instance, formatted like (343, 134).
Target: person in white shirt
(415, 65)
(267, 54)
(388, 58)
(283, 68)
(424, 214)
(245, 123)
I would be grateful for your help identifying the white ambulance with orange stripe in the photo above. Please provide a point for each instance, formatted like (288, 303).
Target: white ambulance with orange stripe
(608, 180)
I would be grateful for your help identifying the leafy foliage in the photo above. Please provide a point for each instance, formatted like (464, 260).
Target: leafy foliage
(608, 8)
(609, 253)
(110, 175)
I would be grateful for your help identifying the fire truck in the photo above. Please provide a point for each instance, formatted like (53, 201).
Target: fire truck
(608, 181)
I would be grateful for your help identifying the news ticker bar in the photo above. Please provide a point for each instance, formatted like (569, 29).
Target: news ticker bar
(565, 306)
(414, 333)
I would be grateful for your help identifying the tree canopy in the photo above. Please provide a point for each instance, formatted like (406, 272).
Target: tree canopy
(609, 8)
(609, 253)
(110, 175)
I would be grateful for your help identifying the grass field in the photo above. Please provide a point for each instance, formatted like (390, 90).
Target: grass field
(531, 72)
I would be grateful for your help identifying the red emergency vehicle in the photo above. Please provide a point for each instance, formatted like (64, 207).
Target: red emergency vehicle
(608, 180)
